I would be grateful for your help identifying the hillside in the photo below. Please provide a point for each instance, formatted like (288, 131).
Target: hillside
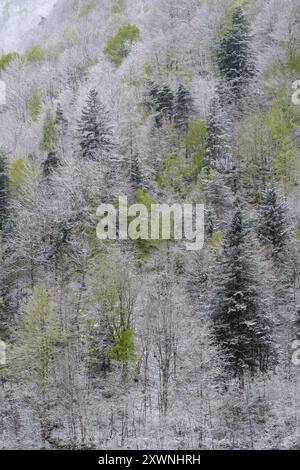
(145, 343)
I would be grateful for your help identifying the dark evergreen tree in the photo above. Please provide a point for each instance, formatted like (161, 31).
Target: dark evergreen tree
(4, 185)
(60, 120)
(151, 94)
(161, 101)
(209, 222)
(136, 173)
(50, 164)
(273, 227)
(184, 108)
(241, 326)
(217, 153)
(95, 134)
(218, 196)
(164, 105)
(235, 58)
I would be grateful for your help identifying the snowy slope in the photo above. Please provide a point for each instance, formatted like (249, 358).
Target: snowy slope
(17, 17)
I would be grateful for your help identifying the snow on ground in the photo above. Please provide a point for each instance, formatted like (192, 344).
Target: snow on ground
(17, 17)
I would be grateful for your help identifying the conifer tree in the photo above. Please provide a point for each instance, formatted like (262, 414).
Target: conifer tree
(235, 58)
(218, 195)
(95, 134)
(151, 94)
(164, 105)
(161, 101)
(209, 224)
(241, 326)
(217, 153)
(51, 163)
(136, 174)
(184, 108)
(273, 227)
(60, 120)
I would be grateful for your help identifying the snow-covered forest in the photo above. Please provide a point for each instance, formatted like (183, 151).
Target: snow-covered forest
(142, 344)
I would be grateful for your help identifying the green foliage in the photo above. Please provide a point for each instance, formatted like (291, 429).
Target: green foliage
(296, 235)
(142, 197)
(38, 339)
(34, 53)
(50, 136)
(35, 104)
(4, 189)
(111, 291)
(293, 62)
(180, 172)
(21, 170)
(148, 68)
(281, 120)
(267, 144)
(216, 239)
(194, 142)
(123, 348)
(86, 7)
(70, 36)
(145, 247)
(119, 6)
(6, 59)
(118, 47)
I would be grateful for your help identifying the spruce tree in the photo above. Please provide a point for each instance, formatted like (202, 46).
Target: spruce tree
(235, 58)
(241, 326)
(60, 120)
(136, 174)
(209, 222)
(217, 153)
(151, 94)
(164, 105)
(218, 195)
(95, 134)
(51, 163)
(184, 108)
(273, 227)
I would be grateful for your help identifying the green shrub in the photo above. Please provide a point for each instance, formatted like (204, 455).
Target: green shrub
(49, 141)
(35, 105)
(180, 172)
(118, 47)
(34, 53)
(119, 6)
(21, 171)
(123, 348)
(70, 36)
(6, 59)
(194, 143)
(216, 239)
(293, 62)
(267, 145)
(86, 7)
